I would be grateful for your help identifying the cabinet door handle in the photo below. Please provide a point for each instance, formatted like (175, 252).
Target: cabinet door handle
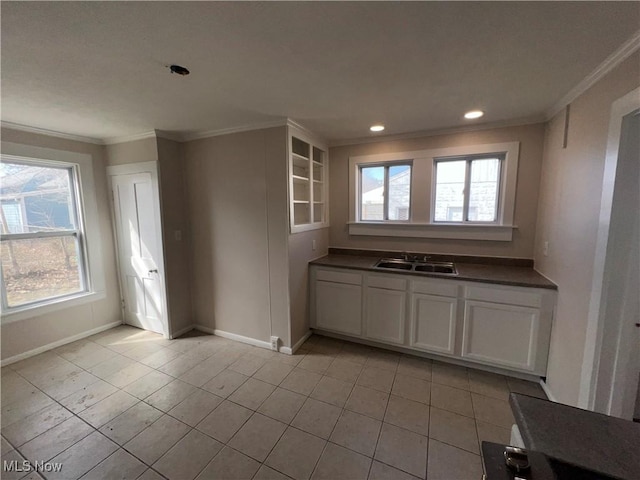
(155, 270)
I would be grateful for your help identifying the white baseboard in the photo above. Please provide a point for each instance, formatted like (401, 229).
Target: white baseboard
(182, 331)
(59, 343)
(292, 350)
(234, 336)
(547, 391)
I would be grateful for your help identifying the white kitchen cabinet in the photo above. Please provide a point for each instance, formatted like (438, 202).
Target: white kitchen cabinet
(337, 301)
(385, 314)
(433, 323)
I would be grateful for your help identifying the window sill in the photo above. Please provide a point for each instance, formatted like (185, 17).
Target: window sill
(31, 311)
(496, 233)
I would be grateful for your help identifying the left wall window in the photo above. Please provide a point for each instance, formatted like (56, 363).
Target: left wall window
(42, 235)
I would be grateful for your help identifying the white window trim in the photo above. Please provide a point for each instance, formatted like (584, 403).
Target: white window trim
(88, 206)
(422, 185)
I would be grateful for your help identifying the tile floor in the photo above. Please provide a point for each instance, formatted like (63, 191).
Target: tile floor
(129, 404)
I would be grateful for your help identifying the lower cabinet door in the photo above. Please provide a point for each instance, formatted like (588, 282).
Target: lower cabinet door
(503, 335)
(339, 307)
(386, 315)
(433, 323)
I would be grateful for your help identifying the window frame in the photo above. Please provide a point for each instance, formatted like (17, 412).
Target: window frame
(469, 159)
(385, 185)
(88, 222)
(421, 224)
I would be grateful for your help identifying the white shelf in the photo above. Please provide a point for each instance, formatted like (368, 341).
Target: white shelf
(300, 179)
(300, 202)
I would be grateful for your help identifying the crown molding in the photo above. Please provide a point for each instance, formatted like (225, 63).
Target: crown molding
(128, 138)
(189, 136)
(612, 61)
(50, 133)
(445, 131)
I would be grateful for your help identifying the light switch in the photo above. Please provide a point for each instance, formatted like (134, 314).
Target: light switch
(313, 245)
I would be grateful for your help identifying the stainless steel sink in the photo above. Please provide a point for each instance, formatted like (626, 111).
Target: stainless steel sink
(442, 268)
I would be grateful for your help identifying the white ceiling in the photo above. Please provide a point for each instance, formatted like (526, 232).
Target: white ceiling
(98, 69)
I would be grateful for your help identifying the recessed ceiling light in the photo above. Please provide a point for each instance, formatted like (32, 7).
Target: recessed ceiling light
(376, 128)
(473, 114)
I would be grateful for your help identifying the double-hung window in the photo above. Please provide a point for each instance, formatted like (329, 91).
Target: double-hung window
(385, 191)
(467, 189)
(42, 237)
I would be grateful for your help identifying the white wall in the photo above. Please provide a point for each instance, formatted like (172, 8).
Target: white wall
(39, 331)
(568, 211)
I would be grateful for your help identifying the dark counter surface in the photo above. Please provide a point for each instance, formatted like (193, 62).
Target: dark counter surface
(490, 273)
(601, 443)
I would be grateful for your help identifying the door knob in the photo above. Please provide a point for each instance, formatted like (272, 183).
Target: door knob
(155, 270)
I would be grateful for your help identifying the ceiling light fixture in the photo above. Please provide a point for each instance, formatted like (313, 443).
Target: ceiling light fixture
(179, 70)
(473, 114)
(376, 128)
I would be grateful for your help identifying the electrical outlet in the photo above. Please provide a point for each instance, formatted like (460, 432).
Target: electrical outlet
(274, 343)
(545, 248)
(313, 245)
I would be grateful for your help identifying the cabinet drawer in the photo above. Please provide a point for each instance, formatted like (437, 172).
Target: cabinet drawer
(339, 277)
(388, 283)
(443, 288)
(508, 296)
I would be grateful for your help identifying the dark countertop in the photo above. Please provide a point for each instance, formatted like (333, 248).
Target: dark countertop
(490, 273)
(601, 443)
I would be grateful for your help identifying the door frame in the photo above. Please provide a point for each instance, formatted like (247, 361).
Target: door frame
(599, 326)
(131, 169)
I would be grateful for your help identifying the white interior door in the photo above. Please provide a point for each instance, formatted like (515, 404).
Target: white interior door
(139, 250)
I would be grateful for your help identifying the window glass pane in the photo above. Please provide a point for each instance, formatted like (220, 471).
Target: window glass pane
(483, 195)
(37, 269)
(399, 192)
(449, 198)
(36, 199)
(372, 193)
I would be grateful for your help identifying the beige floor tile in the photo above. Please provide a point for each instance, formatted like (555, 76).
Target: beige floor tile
(121, 465)
(489, 384)
(143, 351)
(268, 473)
(292, 360)
(6, 446)
(247, 364)
(493, 433)
(402, 449)
(203, 372)
(415, 367)
(155, 440)
(282, 405)
(49, 375)
(160, 358)
(15, 388)
(106, 410)
(532, 389)
(317, 418)
(301, 381)
(187, 458)
(195, 407)
(9, 458)
(491, 410)
(376, 378)
(367, 401)
(150, 383)
(69, 385)
(344, 370)
(356, 432)
(130, 423)
(384, 361)
(85, 354)
(412, 388)
(447, 462)
(225, 383)
(454, 429)
(333, 391)
(452, 399)
(338, 462)
(408, 414)
(296, 454)
(20, 409)
(252, 393)
(170, 395)
(83, 456)
(87, 396)
(273, 372)
(230, 465)
(33, 367)
(181, 364)
(111, 366)
(381, 471)
(265, 353)
(452, 375)
(316, 362)
(354, 353)
(224, 421)
(128, 375)
(35, 424)
(257, 436)
(150, 474)
(49, 444)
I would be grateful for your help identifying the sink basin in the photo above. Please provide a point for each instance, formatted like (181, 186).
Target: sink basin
(418, 267)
